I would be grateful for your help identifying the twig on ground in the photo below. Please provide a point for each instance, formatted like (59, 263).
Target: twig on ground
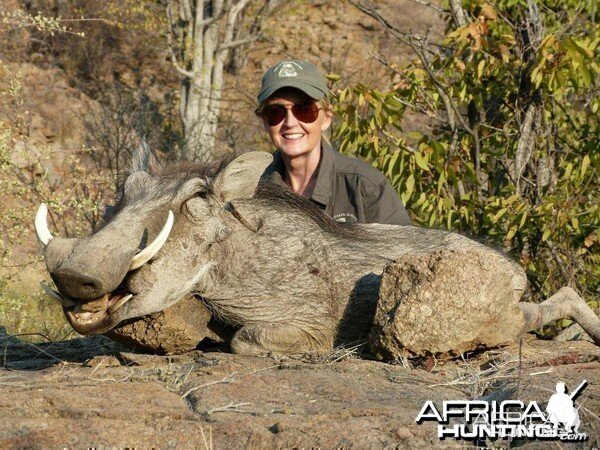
(119, 380)
(231, 407)
(208, 445)
(228, 379)
(541, 373)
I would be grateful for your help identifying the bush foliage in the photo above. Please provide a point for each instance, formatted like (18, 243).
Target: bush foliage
(510, 152)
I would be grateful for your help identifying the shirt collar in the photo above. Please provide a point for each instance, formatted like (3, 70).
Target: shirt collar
(323, 189)
(278, 170)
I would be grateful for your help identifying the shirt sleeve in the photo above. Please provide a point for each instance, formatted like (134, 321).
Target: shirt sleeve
(382, 205)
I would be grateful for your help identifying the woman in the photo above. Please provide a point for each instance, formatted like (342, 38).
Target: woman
(294, 110)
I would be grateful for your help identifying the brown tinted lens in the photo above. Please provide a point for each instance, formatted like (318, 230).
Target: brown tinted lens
(306, 112)
(274, 114)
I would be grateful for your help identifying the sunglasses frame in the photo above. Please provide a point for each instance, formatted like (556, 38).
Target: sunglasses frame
(284, 108)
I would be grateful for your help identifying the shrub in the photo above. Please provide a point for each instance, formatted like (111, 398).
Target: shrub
(511, 98)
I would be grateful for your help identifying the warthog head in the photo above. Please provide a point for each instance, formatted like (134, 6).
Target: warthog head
(153, 247)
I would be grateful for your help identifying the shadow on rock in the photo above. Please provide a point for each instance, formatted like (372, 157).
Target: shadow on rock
(18, 354)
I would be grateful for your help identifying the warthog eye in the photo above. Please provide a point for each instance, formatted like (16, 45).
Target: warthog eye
(202, 194)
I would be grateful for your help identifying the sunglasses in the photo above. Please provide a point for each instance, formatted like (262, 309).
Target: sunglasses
(304, 112)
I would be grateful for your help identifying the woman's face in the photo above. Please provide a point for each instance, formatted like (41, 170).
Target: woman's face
(291, 136)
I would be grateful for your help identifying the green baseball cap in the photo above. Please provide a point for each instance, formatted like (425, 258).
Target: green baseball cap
(297, 74)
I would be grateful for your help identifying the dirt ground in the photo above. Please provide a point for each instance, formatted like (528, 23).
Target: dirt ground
(91, 393)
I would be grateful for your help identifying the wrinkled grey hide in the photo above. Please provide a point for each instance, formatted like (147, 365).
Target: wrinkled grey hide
(261, 258)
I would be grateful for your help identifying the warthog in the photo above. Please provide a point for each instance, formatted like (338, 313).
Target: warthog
(261, 258)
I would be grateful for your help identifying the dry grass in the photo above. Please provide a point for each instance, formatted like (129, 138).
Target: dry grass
(476, 378)
(353, 350)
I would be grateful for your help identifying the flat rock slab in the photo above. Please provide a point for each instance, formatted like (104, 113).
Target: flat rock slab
(116, 399)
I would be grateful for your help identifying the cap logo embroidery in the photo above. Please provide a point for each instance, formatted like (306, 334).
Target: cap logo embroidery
(286, 69)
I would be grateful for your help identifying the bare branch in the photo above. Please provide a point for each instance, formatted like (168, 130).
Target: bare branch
(170, 33)
(458, 13)
(217, 15)
(524, 146)
(559, 262)
(431, 5)
(367, 8)
(236, 43)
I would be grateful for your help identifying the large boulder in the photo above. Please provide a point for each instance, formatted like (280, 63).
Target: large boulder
(445, 303)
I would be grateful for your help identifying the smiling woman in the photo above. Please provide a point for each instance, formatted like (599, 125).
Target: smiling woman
(295, 112)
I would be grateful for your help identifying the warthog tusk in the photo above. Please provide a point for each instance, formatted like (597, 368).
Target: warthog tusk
(41, 225)
(151, 250)
(52, 293)
(119, 303)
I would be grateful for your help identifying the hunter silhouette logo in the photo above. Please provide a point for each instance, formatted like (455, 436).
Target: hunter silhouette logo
(561, 410)
(287, 69)
(479, 419)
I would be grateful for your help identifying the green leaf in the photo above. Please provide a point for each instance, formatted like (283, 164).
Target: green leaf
(480, 67)
(546, 235)
(511, 233)
(523, 219)
(449, 220)
(441, 181)
(585, 163)
(416, 135)
(585, 74)
(392, 163)
(496, 217)
(408, 189)
(422, 161)
(575, 223)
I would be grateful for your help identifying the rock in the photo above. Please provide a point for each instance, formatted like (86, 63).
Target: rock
(445, 303)
(573, 333)
(331, 22)
(257, 403)
(175, 330)
(366, 25)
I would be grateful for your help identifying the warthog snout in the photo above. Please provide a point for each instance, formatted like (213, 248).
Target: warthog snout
(91, 273)
(77, 284)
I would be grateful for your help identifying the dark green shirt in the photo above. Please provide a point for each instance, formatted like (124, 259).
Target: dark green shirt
(348, 189)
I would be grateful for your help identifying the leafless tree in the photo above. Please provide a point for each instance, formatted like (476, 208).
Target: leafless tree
(202, 37)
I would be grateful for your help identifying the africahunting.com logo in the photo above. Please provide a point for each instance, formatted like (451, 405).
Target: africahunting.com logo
(479, 419)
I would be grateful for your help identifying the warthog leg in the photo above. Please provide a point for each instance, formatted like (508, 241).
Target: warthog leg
(264, 339)
(566, 302)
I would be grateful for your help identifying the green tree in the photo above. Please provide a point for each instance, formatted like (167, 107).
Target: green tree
(510, 152)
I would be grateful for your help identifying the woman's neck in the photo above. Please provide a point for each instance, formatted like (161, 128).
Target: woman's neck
(301, 171)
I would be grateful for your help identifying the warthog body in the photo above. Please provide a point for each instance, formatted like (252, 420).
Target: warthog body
(260, 257)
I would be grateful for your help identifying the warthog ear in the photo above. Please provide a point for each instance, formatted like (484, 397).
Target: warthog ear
(240, 178)
(143, 159)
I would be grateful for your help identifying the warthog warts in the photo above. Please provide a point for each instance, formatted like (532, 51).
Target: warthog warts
(261, 258)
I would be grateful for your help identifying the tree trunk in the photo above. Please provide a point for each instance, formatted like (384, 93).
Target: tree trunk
(201, 37)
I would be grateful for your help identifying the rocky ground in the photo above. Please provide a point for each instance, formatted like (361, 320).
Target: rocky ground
(90, 393)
